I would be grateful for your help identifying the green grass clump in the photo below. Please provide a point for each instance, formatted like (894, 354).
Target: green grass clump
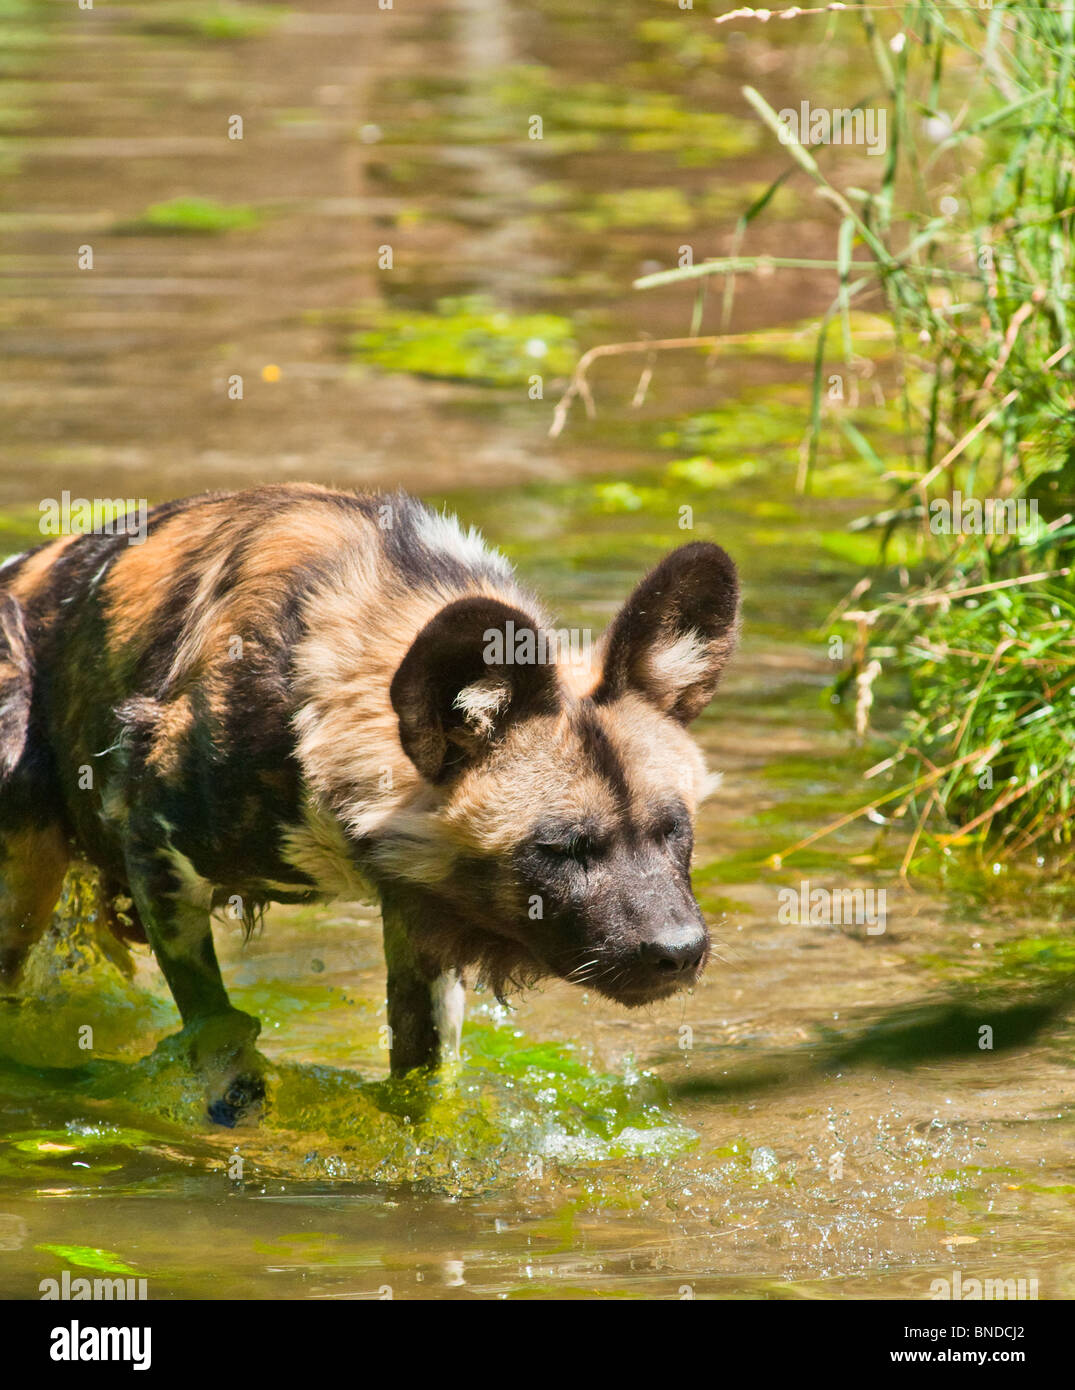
(202, 216)
(966, 237)
(467, 339)
(993, 701)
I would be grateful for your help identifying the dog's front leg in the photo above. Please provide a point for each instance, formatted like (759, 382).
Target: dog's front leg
(219, 1038)
(425, 1009)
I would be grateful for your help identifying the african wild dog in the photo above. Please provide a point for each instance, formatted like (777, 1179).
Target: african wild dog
(287, 694)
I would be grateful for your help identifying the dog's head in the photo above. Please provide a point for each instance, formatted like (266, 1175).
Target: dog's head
(564, 800)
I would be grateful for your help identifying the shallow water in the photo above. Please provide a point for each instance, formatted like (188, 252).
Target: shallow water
(720, 1145)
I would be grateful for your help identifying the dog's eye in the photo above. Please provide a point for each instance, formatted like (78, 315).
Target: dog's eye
(578, 847)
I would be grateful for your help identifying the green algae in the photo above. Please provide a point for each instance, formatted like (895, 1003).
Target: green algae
(467, 339)
(682, 45)
(88, 1257)
(635, 208)
(190, 215)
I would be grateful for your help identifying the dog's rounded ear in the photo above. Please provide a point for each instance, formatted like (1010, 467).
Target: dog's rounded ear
(672, 638)
(459, 687)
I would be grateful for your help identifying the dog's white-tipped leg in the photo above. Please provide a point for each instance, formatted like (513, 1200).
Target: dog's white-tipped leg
(449, 1002)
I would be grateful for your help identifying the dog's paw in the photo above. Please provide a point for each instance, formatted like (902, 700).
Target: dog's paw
(221, 1049)
(242, 1100)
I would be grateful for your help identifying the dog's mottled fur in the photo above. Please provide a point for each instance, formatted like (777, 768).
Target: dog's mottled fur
(284, 695)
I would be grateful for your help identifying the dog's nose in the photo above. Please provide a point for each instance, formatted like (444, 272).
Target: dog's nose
(674, 949)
